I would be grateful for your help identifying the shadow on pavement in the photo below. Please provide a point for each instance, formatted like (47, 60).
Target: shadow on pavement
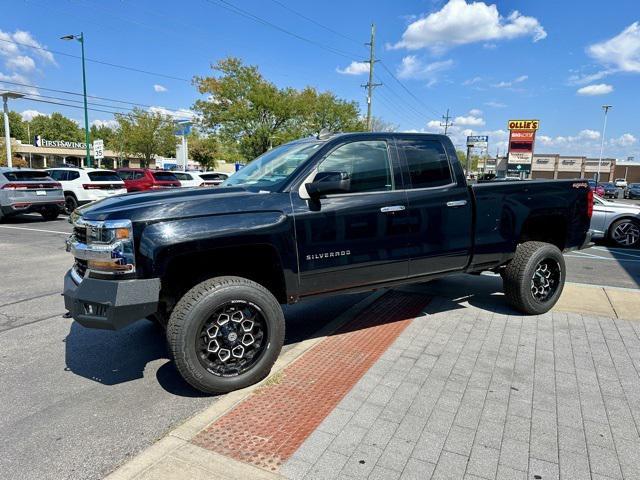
(112, 358)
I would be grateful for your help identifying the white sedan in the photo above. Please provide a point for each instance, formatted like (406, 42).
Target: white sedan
(189, 179)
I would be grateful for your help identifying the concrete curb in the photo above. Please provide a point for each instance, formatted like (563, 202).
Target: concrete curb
(154, 462)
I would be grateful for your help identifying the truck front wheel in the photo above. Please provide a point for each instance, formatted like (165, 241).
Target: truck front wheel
(534, 279)
(225, 333)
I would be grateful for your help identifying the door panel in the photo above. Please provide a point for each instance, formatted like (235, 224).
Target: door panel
(439, 210)
(356, 238)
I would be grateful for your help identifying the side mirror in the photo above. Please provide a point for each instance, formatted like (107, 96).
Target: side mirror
(329, 182)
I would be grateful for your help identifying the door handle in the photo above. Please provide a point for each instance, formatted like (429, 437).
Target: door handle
(394, 208)
(457, 203)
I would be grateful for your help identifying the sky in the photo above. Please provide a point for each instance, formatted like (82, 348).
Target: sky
(487, 63)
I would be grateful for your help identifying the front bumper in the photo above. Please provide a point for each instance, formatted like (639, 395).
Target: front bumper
(110, 304)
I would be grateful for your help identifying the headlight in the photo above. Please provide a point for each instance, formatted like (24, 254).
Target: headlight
(109, 247)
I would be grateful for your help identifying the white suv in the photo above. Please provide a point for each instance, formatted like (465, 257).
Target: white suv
(84, 185)
(189, 179)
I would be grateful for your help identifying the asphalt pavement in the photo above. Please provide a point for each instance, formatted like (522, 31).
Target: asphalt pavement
(76, 403)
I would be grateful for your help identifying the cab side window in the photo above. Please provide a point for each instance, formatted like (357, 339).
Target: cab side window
(366, 164)
(427, 163)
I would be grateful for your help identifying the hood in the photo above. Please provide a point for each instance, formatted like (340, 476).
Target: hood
(183, 203)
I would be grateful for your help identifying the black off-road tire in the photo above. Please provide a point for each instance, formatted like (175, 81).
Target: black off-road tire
(517, 277)
(50, 213)
(196, 307)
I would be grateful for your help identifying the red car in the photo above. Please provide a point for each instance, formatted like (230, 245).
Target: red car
(597, 188)
(141, 179)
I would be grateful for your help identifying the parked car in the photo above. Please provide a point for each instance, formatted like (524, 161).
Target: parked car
(610, 190)
(84, 185)
(189, 179)
(632, 191)
(620, 182)
(213, 179)
(142, 179)
(23, 190)
(351, 212)
(596, 187)
(616, 222)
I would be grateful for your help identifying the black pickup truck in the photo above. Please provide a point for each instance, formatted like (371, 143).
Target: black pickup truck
(347, 213)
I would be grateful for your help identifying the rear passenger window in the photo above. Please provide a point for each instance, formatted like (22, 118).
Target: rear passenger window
(427, 163)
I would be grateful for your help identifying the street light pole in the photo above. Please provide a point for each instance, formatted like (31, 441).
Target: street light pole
(7, 133)
(80, 38)
(604, 129)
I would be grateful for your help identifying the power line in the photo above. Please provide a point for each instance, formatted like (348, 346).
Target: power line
(67, 92)
(239, 11)
(100, 62)
(309, 19)
(404, 87)
(446, 123)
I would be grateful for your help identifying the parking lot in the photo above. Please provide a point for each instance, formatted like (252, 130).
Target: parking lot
(80, 400)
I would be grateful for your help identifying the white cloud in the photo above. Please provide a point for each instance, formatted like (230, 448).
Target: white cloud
(493, 104)
(596, 89)
(413, 67)
(28, 115)
(460, 23)
(18, 78)
(472, 81)
(354, 68)
(469, 120)
(21, 62)
(621, 52)
(475, 112)
(21, 36)
(511, 83)
(589, 134)
(104, 123)
(159, 88)
(624, 140)
(180, 114)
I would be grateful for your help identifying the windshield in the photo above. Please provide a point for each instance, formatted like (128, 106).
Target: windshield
(271, 169)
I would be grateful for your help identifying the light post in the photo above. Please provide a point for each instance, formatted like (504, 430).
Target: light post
(7, 134)
(80, 38)
(604, 129)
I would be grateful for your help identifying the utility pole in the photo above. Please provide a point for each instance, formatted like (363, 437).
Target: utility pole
(604, 129)
(370, 85)
(446, 123)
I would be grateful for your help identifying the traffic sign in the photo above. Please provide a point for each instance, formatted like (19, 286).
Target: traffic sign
(98, 149)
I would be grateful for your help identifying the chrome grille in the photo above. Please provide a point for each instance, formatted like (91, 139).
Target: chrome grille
(80, 234)
(80, 267)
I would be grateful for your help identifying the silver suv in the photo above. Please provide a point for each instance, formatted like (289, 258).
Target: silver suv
(23, 190)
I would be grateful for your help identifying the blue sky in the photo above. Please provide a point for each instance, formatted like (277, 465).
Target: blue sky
(557, 61)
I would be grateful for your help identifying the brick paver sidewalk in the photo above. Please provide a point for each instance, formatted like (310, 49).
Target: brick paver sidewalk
(466, 392)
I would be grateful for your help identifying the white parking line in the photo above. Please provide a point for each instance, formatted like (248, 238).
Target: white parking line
(617, 251)
(35, 230)
(609, 259)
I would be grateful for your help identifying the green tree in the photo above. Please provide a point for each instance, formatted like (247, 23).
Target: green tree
(108, 134)
(56, 127)
(203, 150)
(145, 134)
(250, 114)
(17, 127)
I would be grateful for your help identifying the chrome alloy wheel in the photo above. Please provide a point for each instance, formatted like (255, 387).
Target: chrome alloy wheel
(626, 234)
(545, 280)
(232, 339)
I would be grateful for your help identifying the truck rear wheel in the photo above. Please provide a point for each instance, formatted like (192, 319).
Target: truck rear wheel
(225, 333)
(534, 279)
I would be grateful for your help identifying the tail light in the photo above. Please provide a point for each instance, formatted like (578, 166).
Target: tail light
(589, 203)
(31, 186)
(91, 186)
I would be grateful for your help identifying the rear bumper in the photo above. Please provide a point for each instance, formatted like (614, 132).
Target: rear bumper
(110, 304)
(28, 207)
